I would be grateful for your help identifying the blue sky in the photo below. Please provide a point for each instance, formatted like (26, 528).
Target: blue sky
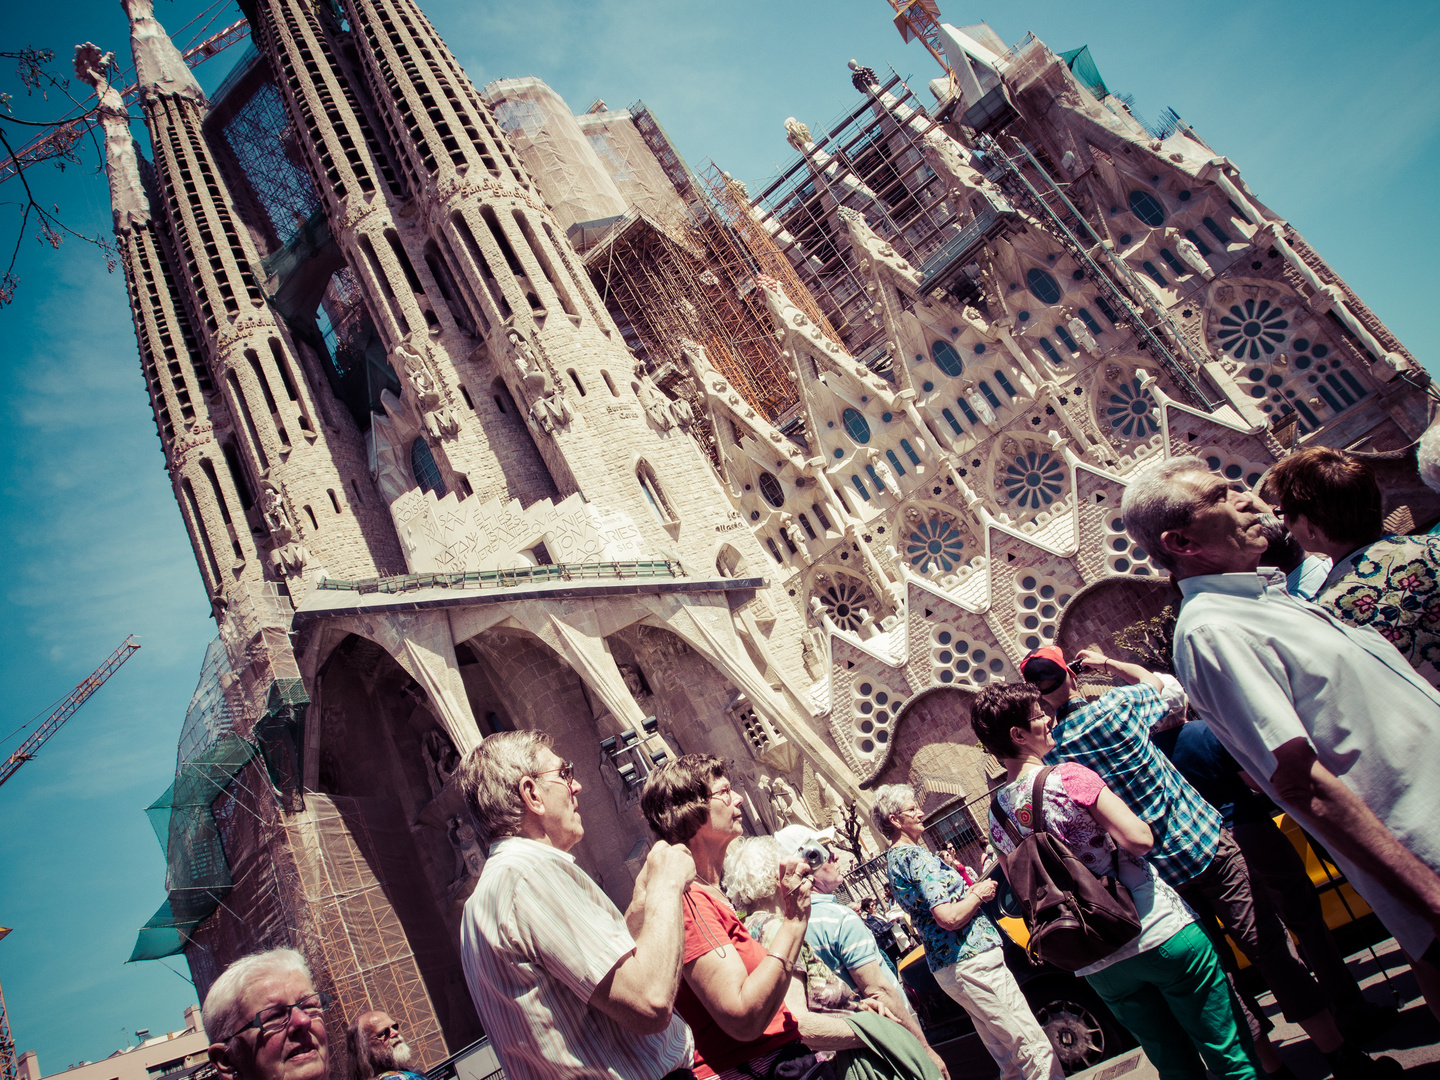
(1331, 111)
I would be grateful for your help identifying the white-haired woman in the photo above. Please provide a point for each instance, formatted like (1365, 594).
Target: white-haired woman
(822, 1003)
(962, 945)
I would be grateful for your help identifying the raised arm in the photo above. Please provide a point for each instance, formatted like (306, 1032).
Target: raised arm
(639, 992)
(1130, 673)
(1351, 829)
(744, 1002)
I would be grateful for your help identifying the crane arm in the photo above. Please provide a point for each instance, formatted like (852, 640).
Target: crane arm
(66, 708)
(68, 132)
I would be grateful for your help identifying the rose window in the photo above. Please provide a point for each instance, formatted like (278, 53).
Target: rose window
(1252, 330)
(1038, 603)
(955, 659)
(843, 600)
(934, 546)
(875, 707)
(1131, 411)
(1034, 479)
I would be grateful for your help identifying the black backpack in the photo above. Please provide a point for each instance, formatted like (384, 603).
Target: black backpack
(1074, 917)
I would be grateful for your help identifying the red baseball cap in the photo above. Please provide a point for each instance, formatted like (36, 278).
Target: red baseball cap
(1045, 667)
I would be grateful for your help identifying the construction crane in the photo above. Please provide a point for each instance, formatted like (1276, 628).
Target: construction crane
(66, 709)
(68, 132)
(919, 20)
(9, 1064)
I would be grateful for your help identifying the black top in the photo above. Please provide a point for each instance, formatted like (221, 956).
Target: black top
(1196, 752)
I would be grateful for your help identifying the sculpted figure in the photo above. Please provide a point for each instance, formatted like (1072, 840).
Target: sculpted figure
(469, 858)
(882, 470)
(288, 556)
(441, 759)
(425, 393)
(523, 353)
(1187, 251)
(790, 805)
(655, 404)
(1081, 333)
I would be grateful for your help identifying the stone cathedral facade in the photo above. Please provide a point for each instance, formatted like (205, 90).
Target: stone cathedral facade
(519, 528)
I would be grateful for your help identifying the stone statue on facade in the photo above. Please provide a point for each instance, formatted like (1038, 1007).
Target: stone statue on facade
(790, 806)
(550, 410)
(288, 556)
(441, 759)
(1081, 333)
(1190, 254)
(834, 806)
(425, 394)
(655, 404)
(469, 859)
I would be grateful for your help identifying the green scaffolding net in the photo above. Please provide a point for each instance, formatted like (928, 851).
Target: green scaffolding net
(197, 876)
(1082, 66)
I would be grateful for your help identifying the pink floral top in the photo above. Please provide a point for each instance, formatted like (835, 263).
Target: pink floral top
(1070, 791)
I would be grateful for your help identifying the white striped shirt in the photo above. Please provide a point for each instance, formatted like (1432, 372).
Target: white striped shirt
(537, 937)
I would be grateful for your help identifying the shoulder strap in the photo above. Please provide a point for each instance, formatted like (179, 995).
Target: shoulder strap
(1037, 799)
(1004, 818)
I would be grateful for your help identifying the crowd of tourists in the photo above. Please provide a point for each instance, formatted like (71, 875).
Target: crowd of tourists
(1135, 829)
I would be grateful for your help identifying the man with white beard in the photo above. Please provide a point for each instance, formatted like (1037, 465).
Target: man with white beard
(377, 1049)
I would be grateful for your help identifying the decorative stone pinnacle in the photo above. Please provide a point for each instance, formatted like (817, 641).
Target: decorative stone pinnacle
(797, 134)
(159, 68)
(862, 77)
(127, 195)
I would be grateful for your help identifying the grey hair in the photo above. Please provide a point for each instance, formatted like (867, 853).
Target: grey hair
(752, 870)
(490, 778)
(222, 1009)
(1152, 506)
(1427, 456)
(890, 799)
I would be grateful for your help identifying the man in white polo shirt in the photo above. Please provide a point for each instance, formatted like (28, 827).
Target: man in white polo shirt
(562, 989)
(1328, 719)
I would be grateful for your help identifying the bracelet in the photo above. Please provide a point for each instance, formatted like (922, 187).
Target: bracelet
(786, 964)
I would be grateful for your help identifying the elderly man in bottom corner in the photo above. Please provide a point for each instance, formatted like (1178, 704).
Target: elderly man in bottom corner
(562, 988)
(1328, 719)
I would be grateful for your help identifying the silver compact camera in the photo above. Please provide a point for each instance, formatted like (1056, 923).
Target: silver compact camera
(814, 854)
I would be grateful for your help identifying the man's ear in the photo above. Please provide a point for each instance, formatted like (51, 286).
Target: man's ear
(223, 1060)
(1176, 543)
(529, 796)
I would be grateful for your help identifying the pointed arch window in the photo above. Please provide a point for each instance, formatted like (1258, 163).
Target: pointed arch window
(654, 494)
(946, 358)
(895, 463)
(910, 452)
(860, 487)
(771, 489)
(427, 473)
(1216, 231)
(950, 419)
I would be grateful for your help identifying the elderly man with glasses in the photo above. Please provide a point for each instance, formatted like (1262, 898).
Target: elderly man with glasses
(1327, 719)
(561, 986)
(266, 1019)
(376, 1048)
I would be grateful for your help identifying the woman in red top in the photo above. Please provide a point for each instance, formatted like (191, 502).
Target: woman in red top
(733, 992)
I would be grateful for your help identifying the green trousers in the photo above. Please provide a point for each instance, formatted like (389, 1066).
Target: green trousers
(1174, 999)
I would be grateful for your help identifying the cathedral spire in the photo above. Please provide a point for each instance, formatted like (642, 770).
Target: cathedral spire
(128, 201)
(159, 68)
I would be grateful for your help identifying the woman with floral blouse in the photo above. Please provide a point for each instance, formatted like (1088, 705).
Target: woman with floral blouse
(962, 945)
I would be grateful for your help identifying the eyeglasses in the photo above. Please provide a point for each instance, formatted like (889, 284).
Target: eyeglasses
(728, 794)
(274, 1019)
(565, 771)
(386, 1032)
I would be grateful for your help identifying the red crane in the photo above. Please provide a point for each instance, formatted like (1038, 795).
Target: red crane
(66, 709)
(9, 1064)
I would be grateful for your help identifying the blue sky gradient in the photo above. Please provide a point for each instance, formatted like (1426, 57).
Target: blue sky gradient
(1330, 111)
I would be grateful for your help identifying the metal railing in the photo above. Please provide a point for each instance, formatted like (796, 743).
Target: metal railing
(504, 579)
